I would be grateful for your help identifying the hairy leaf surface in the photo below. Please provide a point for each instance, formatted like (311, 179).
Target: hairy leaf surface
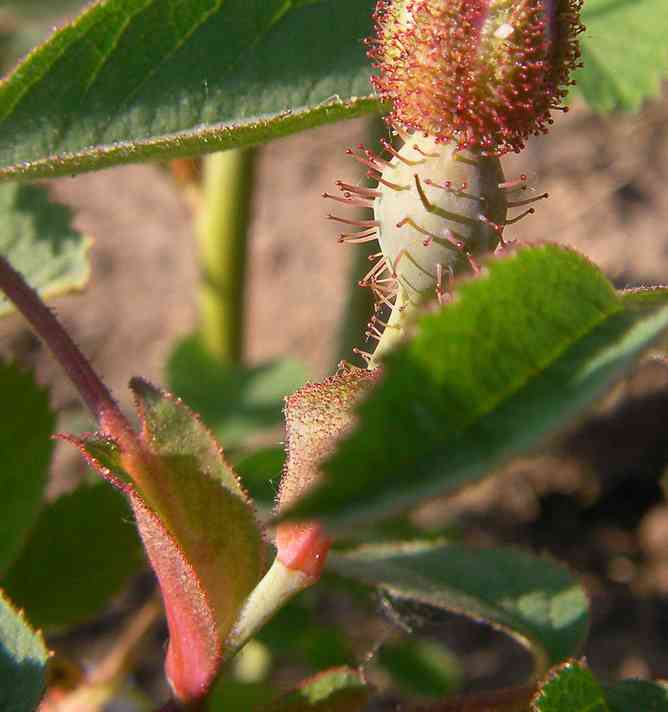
(518, 353)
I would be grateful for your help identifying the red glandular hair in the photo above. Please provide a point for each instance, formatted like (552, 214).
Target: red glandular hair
(483, 74)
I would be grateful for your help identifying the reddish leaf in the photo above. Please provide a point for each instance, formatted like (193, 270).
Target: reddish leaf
(198, 527)
(316, 417)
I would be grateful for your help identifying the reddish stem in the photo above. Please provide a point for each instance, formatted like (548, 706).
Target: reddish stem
(94, 393)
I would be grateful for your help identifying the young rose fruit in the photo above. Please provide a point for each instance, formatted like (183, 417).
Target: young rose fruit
(437, 207)
(483, 74)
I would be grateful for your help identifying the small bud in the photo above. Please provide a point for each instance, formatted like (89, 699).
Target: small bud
(483, 74)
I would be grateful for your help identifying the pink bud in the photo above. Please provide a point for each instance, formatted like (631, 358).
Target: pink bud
(484, 74)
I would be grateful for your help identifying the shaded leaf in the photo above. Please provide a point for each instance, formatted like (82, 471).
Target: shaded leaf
(535, 600)
(23, 659)
(421, 667)
(570, 688)
(137, 80)
(81, 552)
(260, 473)
(632, 695)
(518, 353)
(25, 449)
(336, 690)
(38, 239)
(624, 53)
(234, 401)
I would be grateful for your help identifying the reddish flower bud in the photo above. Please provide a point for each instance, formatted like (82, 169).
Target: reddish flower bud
(484, 74)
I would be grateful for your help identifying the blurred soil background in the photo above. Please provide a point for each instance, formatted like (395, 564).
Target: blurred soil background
(592, 498)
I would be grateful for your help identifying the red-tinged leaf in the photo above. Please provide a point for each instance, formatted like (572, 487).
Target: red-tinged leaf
(198, 527)
(316, 417)
(195, 645)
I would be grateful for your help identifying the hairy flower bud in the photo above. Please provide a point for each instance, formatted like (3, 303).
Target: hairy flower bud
(483, 74)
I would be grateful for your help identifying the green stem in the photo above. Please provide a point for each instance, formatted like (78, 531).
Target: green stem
(395, 329)
(222, 236)
(277, 587)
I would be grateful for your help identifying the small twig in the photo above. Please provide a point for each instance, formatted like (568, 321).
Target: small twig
(120, 658)
(94, 393)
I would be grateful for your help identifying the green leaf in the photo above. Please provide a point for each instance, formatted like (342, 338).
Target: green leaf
(23, 658)
(570, 688)
(535, 600)
(138, 80)
(421, 667)
(60, 578)
(624, 52)
(38, 239)
(633, 695)
(336, 690)
(25, 450)
(260, 473)
(234, 401)
(521, 351)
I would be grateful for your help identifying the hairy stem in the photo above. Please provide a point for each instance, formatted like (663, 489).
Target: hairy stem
(223, 236)
(394, 331)
(93, 392)
(277, 587)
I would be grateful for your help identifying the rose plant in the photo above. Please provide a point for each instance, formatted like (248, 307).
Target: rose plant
(482, 346)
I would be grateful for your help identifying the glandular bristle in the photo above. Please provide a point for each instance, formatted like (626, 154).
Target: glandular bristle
(482, 74)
